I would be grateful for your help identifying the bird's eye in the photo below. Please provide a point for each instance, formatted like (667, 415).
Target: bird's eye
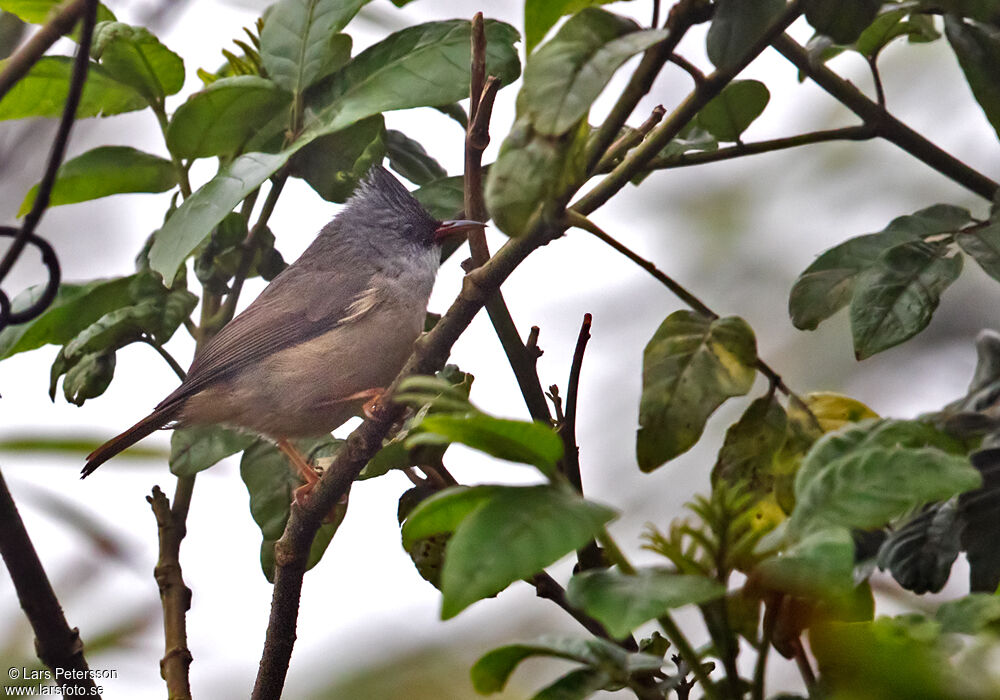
(408, 230)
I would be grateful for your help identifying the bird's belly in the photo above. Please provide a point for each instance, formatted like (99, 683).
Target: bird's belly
(311, 388)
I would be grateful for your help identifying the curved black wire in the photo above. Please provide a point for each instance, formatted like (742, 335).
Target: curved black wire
(51, 261)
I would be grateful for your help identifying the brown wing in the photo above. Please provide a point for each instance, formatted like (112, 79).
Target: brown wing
(298, 305)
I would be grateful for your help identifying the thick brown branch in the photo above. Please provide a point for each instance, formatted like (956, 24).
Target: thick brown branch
(886, 125)
(175, 597)
(57, 644)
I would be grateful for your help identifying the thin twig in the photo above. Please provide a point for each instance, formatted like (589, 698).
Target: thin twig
(18, 65)
(802, 661)
(877, 80)
(80, 65)
(482, 94)
(688, 67)
(860, 132)
(630, 139)
(548, 588)
(167, 357)
(57, 644)
(886, 125)
(679, 290)
(174, 596)
(760, 668)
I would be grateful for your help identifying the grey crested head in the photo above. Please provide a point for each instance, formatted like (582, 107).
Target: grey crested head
(381, 207)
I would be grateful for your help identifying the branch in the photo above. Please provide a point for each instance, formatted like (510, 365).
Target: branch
(175, 597)
(18, 65)
(681, 292)
(167, 357)
(630, 139)
(848, 133)
(56, 643)
(636, 161)
(886, 125)
(482, 93)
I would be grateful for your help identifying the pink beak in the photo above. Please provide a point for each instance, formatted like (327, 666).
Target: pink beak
(455, 228)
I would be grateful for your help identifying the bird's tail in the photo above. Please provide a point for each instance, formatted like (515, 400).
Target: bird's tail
(154, 421)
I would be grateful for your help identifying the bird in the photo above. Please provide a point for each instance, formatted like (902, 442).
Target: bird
(324, 337)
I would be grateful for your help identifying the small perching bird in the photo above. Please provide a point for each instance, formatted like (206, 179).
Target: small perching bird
(325, 336)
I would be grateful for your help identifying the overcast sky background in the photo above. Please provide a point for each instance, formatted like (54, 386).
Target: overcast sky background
(737, 233)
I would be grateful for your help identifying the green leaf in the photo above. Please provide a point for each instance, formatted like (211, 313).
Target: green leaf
(889, 25)
(42, 92)
(105, 171)
(491, 673)
(220, 119)
(981, 10)
(316, 550)
(133, 56)
(527, 442)
(408, 158)
(919, 555)
(299, 45)
(736, 26)
(443, 512)
(820, 565)
(622, 602)
(979, 511)
(195, 449)
(531, 169)
(541, 15)
(872, 433)
(982, 243)
(747, 454)
(576, 685)
(977, 47)
(841, 20)
(514, 535)
(333, 164)
(383, 77)
(868, 487)
(41, 11)
(89, 377)
(827, 285)
(75, 307)
(443, 198)
(969, 615)
(729, 114)
(690, 367)
(564, 77)
(71, 445)
(895, 298)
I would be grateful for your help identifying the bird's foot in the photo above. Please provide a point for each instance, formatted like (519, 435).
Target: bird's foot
(302, 494)
(373, 407)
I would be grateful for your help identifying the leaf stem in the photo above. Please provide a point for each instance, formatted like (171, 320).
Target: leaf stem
(167, 357)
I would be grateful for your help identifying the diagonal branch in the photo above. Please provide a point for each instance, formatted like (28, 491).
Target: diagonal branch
(56, 643)
(886, 125)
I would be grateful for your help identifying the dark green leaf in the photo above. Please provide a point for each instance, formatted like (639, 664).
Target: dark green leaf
(821, 564)
(736, 26)
(541, 15)
(133, 56)
(690, 367)
(621, 602)
(980, 513)
(42, 92)
(89, 377)
(443, 198)
(869, 487)
(978, 49)
(983, 244)
(220, 119)
(895, 298)
(444, 511)
(380, 78)
(530, 169)
(575, 685)
(514, 535)
(408, 158)
(491, 672)
(333, 164)
(981, 10)
(299, 45)
(841, 20)
(969, 615)
(41, 11)
(729, 114)
(564, 77)
(889, 25)
(826, 286)
(105, 171)
(195, 449)
(528, 442)
(919, 555)
(747, 454)
(74, 308)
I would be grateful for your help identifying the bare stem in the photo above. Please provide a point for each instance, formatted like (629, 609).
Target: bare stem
(18, 65)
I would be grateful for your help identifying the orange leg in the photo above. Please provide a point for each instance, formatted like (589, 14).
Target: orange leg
(371, 406)
(302, 466)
